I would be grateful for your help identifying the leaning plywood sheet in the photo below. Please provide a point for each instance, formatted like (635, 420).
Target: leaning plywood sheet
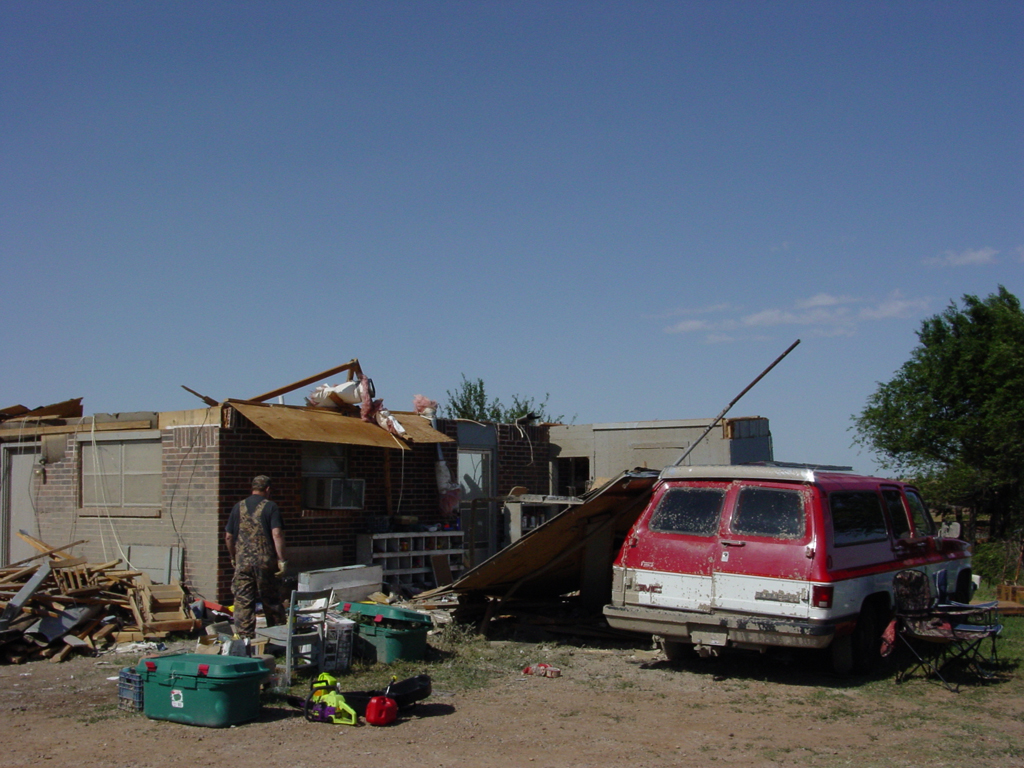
(284, 422)
(418, 429)
(549, 561)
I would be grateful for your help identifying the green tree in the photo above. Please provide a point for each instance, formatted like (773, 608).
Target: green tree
(953, 415)
(469, 401)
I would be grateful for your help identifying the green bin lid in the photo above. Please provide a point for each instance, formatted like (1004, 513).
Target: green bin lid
(202, 665)
(386, 612)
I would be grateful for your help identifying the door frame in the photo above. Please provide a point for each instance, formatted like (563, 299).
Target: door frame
(7, 529)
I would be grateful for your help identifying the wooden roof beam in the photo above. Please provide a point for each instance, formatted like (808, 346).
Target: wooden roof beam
(352, 366)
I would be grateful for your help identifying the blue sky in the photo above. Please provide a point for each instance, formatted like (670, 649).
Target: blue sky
(633, 207)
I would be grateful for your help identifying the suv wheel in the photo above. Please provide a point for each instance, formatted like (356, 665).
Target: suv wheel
(673, 650)
(867, 641)
(842, 655)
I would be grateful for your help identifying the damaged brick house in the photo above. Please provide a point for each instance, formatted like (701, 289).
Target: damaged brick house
(137, 482)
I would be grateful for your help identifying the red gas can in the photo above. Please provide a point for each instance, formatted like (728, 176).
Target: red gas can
(381, 710)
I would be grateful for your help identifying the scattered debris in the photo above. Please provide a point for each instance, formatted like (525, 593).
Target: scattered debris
(542, 670)
(66, 604)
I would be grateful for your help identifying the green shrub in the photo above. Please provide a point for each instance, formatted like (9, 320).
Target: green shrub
(996, 561)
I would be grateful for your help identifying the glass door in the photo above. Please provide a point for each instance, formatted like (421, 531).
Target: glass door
(476, 508)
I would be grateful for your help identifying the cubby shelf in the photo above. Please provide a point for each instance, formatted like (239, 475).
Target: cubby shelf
(406, 557)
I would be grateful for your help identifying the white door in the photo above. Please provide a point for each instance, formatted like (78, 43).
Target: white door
(18, 501)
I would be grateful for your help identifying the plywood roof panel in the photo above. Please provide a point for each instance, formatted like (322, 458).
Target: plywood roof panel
(316, 425)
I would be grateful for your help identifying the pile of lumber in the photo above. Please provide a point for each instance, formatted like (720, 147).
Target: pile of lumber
(54, 604)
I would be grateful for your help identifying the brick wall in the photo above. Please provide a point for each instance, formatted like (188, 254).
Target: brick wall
(246, 451)
(523, 458)
(187, 517)
(207, 469)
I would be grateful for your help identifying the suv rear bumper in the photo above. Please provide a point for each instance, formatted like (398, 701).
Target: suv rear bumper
(722, 628)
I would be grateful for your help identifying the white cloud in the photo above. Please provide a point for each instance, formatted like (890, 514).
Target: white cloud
(823, 300)
(824, 314)
(688, 326)
(893, 306)
(968, 258)
(719, 338)
(769, 317)
(684, 311)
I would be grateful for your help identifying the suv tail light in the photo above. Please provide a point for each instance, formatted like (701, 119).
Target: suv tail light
(821, 596)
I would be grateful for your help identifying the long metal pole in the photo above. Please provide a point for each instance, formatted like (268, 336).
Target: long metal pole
(735, 400)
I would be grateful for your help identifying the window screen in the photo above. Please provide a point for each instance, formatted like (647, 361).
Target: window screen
(693, 511)
(857, 518)
(769, 512)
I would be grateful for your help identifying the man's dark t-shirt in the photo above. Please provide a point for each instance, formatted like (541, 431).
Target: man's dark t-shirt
(271, 516)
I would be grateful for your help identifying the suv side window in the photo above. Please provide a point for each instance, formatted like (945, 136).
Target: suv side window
(900, 521)
(857, 518)
(693, 511)
(923, 525)
(771, 512)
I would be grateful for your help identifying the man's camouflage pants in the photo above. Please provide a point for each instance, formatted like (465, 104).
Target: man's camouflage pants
(252, 582)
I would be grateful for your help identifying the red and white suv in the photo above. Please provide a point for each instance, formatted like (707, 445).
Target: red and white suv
(757, 556)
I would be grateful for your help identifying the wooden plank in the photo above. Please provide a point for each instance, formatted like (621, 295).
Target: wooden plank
(208, 400)
(103, 566)
(68, 409)
(179, 625)
(104, 632)
(129, 636)
(442, 570)
(68, 562)
(133, 602)
(166, 616)
(106, 426)
(17, 575)
(352, 366)
(47, 552)
(62, 654)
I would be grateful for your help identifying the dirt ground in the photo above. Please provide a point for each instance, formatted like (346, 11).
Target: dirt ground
(621, 706)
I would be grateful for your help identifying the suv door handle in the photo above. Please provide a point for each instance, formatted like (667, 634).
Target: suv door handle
(731, 543)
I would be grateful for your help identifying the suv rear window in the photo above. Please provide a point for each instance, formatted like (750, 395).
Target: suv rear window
(857, 518)
(771, 512)
(693, 511)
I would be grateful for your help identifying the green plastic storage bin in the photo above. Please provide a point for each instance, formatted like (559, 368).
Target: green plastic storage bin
(385, 633)
(202, 689)
(386, 645)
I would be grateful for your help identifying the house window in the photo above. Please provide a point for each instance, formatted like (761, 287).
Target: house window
(325, 480)
(121, 472)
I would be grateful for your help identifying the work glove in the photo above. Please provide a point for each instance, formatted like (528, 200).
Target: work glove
(282, 566)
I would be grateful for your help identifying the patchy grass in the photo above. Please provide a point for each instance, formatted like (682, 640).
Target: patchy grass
(457, 660)
(99, 712)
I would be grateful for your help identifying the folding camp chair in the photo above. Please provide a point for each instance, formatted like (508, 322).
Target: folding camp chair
(941, 634)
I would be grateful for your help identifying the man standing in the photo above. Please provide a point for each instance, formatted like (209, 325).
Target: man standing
(255, 539)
